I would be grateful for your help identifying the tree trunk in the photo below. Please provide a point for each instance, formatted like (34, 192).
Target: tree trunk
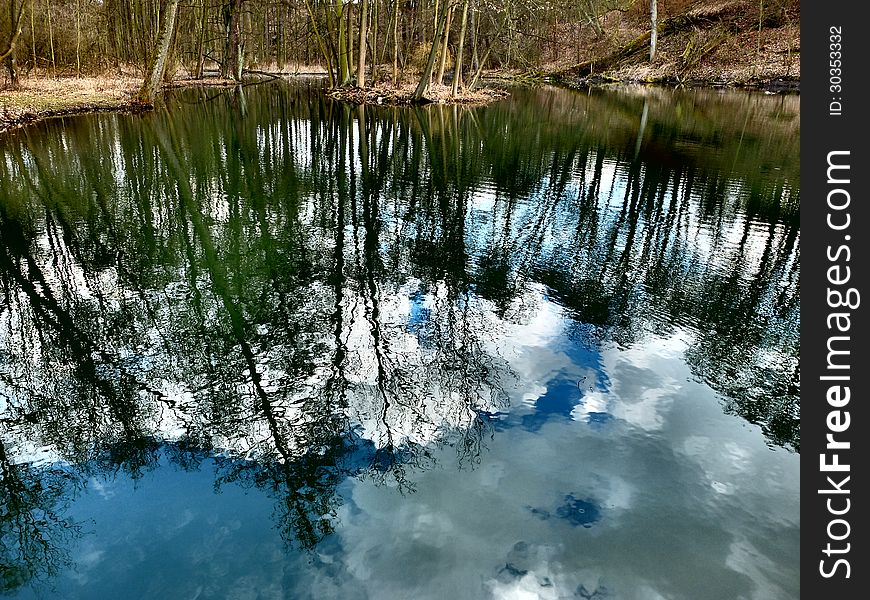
(116, 27)
(477, 73)
(639, 44)
(200, 42)
(423, 85)
(653, 34)
(396, 43)
(479, 70)
(363, 34)
(475, 60)
(281, 50)
(244, 36)
(442, 61)
(324, 52)
(230, 66)
(350, 32)
(434, 21)
(591, 14)
(78, 39)
(32, 35)
(377, 59)
(152, 82)
(457, 67)
(9, 53)
(343, 65)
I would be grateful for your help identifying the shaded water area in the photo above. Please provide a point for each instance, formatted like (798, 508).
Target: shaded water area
(265, 345)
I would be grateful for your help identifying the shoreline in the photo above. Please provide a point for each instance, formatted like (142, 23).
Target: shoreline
(42, 99)
(778, 85)
(9, 124)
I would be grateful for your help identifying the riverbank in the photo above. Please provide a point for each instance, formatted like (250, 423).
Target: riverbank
(43, 97)
(723, 45)
(733, 43)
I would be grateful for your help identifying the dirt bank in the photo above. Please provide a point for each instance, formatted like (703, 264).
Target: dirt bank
(731, 43)
(42, 97)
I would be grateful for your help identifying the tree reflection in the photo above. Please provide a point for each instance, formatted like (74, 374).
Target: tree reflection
(320, 289)
(33, 531)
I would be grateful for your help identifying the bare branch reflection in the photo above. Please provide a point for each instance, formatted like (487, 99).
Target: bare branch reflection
(304, 292)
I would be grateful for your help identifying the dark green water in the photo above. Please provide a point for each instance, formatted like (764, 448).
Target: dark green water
(262, 345)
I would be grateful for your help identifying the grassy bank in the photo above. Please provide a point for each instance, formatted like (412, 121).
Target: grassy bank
(41, 96)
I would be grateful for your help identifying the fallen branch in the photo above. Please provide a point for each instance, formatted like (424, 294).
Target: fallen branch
(641, 43)
(693, 55)
(263, 73)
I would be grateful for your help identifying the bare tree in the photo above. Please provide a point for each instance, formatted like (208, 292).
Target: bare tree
(425, 77)
(442, 61)
(363, 33)
(8, 54)
(232, 63)
(457, 69)
(152, 82)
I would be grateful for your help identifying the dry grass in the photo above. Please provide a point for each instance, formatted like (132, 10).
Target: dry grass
(387, 93)
(43, 96)
(754, 55)
(745, 58)
(40, 97)
(43, 93)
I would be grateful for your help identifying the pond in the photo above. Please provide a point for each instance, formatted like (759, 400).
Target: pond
(260, 344)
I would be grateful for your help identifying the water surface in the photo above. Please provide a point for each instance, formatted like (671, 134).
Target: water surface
(265, 345)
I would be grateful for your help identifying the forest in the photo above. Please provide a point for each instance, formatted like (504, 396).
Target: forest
(360, 43)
